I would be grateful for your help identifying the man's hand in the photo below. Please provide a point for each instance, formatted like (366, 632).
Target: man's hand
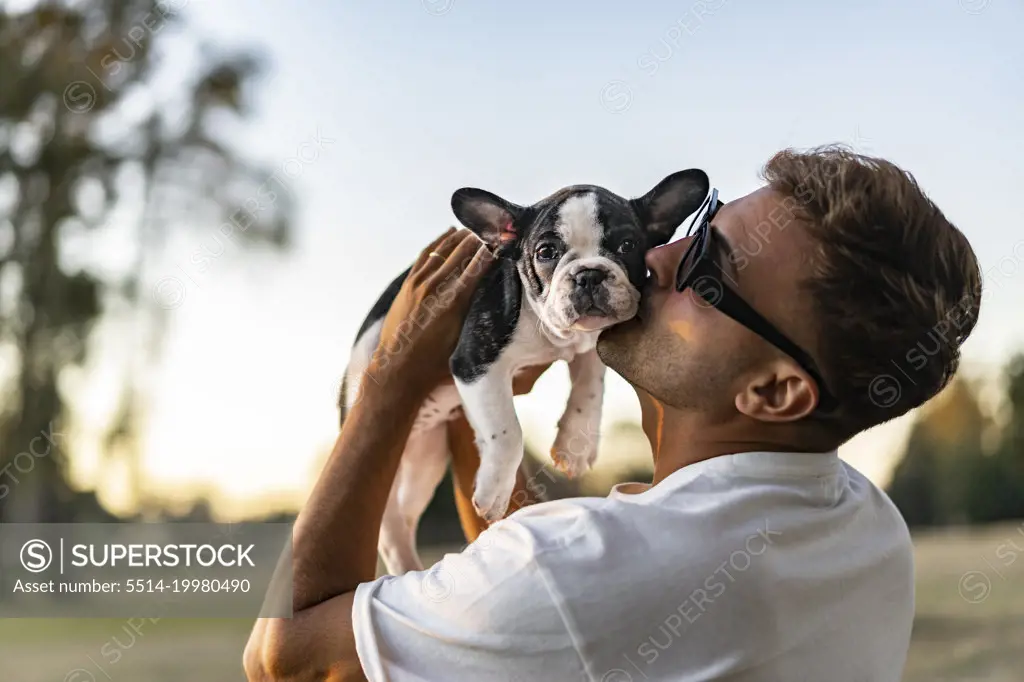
(422, 327)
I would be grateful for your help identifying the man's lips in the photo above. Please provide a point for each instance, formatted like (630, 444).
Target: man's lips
(643, 311)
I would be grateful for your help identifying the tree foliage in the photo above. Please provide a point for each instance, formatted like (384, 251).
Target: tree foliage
(947, 475)
(105, 139)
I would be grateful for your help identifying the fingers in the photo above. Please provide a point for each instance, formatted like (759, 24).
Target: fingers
(447, 235)
(425, 253)
(481, 259)
(458, 257)
(443, 249)
(463, 260)
(463, 268)
(461, 281)
(447, 247)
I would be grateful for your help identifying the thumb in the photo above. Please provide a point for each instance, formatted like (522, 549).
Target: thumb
(471, 275)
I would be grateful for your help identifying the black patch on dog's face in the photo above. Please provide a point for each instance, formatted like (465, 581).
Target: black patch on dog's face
(625, 241)
(616, 234)
(541, 247)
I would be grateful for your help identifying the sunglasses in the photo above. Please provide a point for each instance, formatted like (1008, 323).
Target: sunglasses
(706, 278)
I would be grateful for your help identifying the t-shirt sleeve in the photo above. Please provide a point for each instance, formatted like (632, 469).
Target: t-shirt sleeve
(483, 614)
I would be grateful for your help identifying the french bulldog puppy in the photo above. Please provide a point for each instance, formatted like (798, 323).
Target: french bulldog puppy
(568, 267)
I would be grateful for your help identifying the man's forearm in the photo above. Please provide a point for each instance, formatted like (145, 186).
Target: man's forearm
(334, 543)
(335, 537)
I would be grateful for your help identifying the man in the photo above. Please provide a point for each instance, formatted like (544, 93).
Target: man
(831, 300)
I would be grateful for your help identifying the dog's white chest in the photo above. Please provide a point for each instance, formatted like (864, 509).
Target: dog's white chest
(533, 345)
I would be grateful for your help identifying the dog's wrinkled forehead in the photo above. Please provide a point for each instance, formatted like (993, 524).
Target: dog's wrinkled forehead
(581, 215)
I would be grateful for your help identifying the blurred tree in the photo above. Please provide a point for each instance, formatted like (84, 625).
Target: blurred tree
(947, 476)
(914, 483)
(102, 132)
(931, 484)
(1013, 439)
(997, 485)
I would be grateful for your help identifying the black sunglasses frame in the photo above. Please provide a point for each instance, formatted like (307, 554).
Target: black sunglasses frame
(706, 279)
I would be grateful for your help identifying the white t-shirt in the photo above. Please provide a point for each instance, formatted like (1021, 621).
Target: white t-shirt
(760, 566)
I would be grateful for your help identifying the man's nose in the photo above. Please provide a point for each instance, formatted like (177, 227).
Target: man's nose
(663, 261)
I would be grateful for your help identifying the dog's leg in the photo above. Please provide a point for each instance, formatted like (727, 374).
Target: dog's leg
(482, 366)
(397, 540)
(487, 402)
(575, 447)
(421, 469)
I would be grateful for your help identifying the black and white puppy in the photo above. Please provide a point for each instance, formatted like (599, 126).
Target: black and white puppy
(568, 267)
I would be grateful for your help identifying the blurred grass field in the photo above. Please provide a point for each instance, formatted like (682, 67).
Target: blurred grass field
(969, 627)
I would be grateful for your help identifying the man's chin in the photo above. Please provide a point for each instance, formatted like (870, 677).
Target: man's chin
(615, 344)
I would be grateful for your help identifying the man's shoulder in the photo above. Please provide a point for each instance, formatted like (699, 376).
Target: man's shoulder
(552, 525)
(709, 514)
(875, 497)
(584, 532)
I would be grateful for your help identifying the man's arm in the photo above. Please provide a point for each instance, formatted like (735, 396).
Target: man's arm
(335, 536)
(334, 549)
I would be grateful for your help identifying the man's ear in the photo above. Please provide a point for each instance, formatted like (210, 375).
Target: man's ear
(665, 207)
(782, 392)
(488, 215)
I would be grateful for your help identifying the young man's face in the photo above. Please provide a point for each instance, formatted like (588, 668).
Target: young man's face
(687, 354)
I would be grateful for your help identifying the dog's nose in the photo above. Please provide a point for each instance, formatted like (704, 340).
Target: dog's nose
(590, 278)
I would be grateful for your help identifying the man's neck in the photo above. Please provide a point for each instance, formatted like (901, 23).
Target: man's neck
(679, 438)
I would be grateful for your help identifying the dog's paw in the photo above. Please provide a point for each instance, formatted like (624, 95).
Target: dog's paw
(491, 501)
(495, 482)
(569, 464)
(575, 448)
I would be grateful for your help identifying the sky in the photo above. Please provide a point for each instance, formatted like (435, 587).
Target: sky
(374, 113)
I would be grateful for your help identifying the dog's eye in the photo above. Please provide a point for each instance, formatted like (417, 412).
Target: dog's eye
(547, 252)
(627, 246)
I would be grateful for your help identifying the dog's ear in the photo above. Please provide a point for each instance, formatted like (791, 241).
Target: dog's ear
(666, 206)
(492, 218)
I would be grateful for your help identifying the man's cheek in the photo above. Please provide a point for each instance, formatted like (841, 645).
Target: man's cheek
(683, 314)
(682, 329)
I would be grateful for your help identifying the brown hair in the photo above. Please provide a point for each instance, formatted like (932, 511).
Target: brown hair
(895, 286)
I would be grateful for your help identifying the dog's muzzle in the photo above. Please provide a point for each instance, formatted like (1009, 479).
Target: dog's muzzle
(590, 296)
